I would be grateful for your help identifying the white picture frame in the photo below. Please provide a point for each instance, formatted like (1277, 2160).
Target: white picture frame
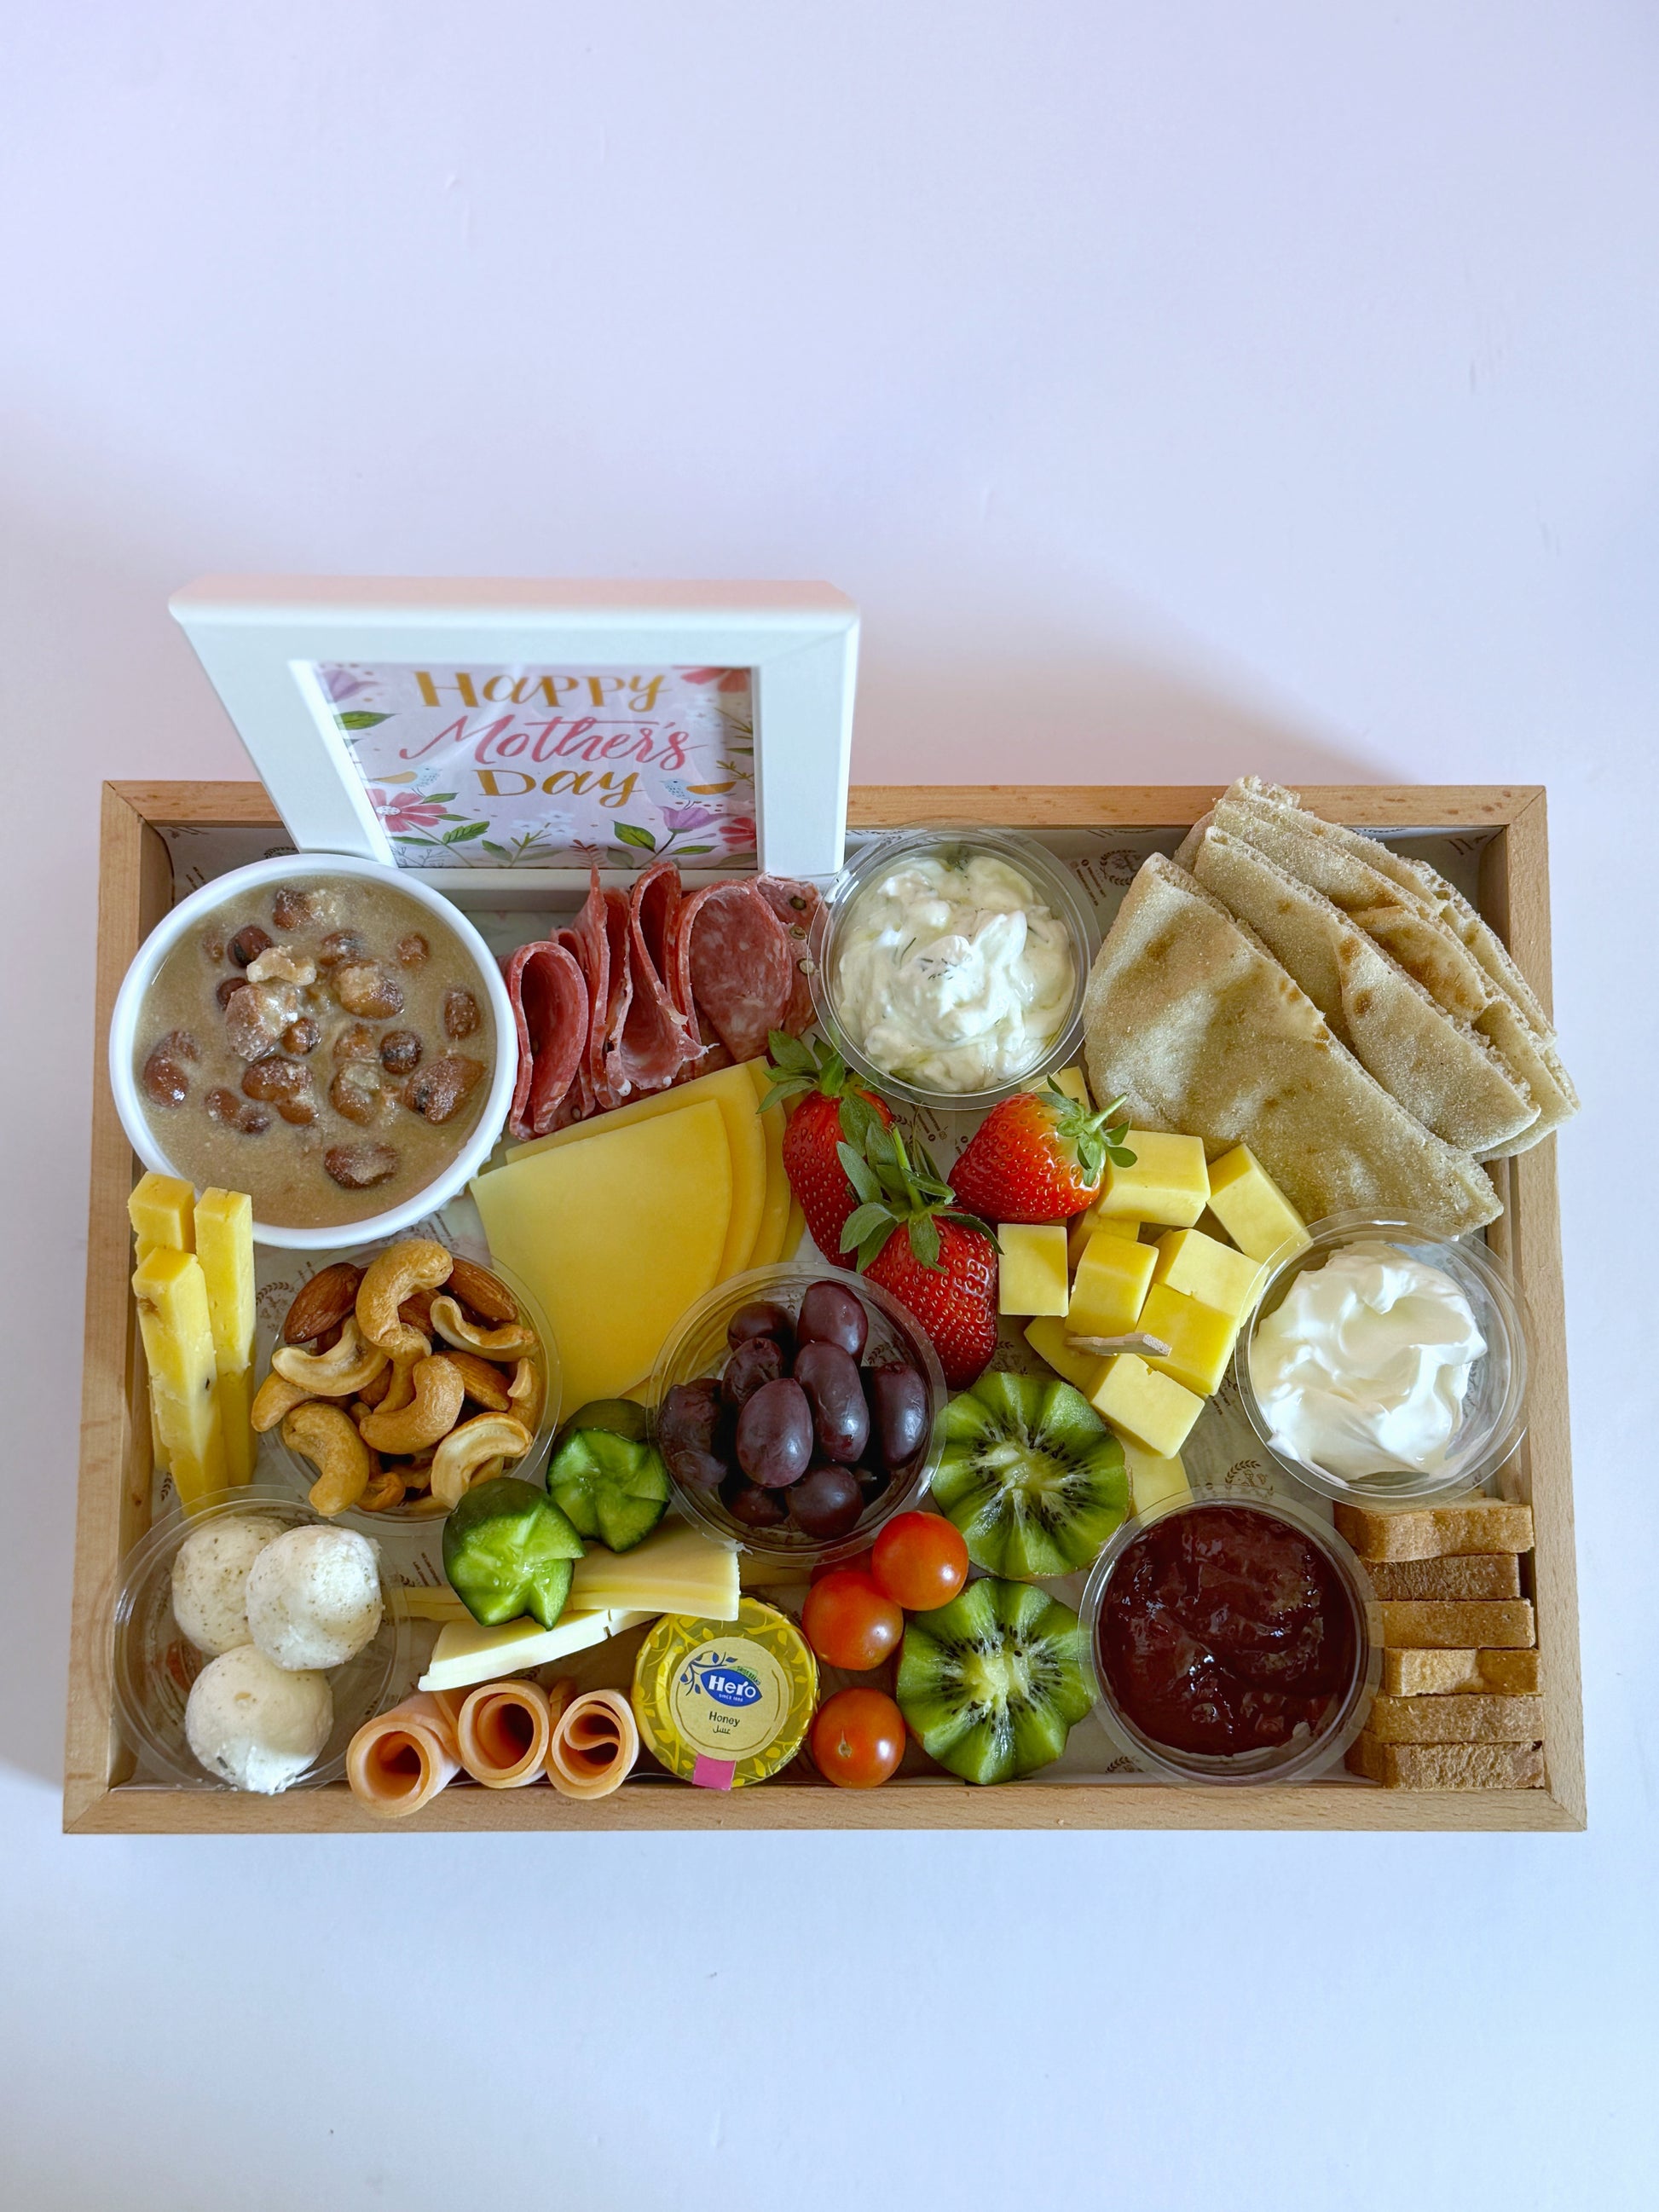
(262, 641)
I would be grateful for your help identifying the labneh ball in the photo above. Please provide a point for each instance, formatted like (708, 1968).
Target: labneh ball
(254, 1725)
(210, 1580)
(313, 1597)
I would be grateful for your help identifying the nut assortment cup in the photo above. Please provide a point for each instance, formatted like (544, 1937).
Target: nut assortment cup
(1305, 1755)
(474, 1148)
(420, 1514)
(1057, 888)
(154, 1664)
(698, 1347)
(1494, 1403)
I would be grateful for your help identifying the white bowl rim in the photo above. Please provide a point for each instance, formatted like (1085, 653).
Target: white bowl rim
(124, 1023)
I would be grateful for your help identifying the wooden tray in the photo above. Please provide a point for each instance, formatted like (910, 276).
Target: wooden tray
(100, 1797)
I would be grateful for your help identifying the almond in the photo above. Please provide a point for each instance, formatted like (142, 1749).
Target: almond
(485, 1385)
(479, 1292)
(324, 1303)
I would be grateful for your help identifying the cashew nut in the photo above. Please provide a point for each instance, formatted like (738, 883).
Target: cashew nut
(460, 1460)
(413, 1264)
(339, 1373)
(435, 1409)
(373, 1392)
(324, 1435)
(401, 1390)
(486, 1385)
(274, 1397)
(510, 1341)
(524, 1394)
(385, 1491)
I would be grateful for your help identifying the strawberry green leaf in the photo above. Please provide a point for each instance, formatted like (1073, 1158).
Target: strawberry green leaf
(859, 1174)
(924, 1239)
(863, 1223)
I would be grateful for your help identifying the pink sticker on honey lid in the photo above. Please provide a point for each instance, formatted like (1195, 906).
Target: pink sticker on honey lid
(713, 1773)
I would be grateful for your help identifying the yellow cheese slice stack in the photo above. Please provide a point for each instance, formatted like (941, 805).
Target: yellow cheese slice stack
(617, 1235)
(224, 1245)
(171, 1291)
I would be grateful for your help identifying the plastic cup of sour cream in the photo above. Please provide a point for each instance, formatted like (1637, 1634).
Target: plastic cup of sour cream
(949, 965)
(1385, 1364)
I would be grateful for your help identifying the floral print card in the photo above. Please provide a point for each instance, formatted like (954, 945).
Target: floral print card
(529, 767)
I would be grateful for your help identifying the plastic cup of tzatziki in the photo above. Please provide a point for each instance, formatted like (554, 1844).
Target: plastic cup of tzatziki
(1386, 1365)
(949, 965)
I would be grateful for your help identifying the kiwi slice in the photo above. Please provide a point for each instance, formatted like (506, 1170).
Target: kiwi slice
(1030, 1474)
(992, 1684)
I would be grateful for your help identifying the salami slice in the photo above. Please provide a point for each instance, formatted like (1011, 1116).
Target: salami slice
(610, 1085)
(549, 995)
(578, 1101)
(590, 928)
(734, 964)
(655, 1040)
(796, 905)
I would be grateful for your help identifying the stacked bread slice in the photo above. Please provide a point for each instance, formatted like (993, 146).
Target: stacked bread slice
(1292, 985)
(1459, 1706)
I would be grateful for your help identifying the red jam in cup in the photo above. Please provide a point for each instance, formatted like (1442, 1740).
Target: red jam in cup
(1224, 1629)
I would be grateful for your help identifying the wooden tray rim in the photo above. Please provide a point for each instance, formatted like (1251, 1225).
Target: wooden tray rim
(113, 1499)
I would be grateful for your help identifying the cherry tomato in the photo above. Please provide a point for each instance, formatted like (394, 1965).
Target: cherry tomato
(858, 1738)
(848, 1622)
(920, 1560)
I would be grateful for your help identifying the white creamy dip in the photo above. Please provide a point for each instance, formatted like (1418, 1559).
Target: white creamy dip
(1363, 1368)
(953, 978)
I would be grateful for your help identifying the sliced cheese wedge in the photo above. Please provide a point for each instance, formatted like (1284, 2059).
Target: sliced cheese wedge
(615, 1237)
(732, 1091)
(464, 1653)
(676, 1569)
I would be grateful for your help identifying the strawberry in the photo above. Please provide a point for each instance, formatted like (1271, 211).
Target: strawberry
(833, 1110)
(911, 1240)
(1040, 1156)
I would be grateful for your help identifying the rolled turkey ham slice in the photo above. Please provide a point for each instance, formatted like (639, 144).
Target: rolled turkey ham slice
(735, 965)
(594, 1744)
(504, 1729)
(397, 1762)
(549, 993)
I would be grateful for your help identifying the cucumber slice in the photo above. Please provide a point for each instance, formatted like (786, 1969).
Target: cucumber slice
(612, 1488)
(508, 1550)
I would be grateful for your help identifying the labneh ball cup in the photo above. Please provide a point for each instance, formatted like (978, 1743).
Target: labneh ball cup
(256, 1726)
(210, 1580)
(313, 1597)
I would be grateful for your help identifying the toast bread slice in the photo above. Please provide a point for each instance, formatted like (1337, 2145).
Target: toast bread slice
(1437, 1532)
(1457, 1673)
(1428, 1626)
(1482, 1718)
(1463, 1579)
(1447, 1765)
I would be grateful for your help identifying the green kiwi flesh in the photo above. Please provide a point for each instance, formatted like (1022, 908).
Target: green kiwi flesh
(1032, 1476)
(992, 1684)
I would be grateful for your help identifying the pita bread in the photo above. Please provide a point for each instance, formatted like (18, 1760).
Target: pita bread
(1438, 1068)
(1190, 1018)
(1403, 907)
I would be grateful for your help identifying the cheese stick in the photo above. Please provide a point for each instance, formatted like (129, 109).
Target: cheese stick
(399, 1761)
(504, 1729)
(595, 1743)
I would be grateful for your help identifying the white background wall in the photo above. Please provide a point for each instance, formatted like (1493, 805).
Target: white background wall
(1182, 390)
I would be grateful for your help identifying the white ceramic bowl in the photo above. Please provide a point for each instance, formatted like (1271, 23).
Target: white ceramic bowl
(287, 865)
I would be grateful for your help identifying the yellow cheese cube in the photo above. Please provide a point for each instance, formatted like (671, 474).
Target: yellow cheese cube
(1074, 1083)
(1032, 1277)
(1251, 1208)
(1200, 1340)
(162, 1212)
(171, 1291)
(1083, 1371)
(1168, 1183)
(1084, 1224)
(1153, 1480)
(1213, 1273)
(1144, 1407)
(1112, 1281)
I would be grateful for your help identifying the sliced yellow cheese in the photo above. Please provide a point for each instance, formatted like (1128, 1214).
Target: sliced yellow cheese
(1111, 1286)
(171, 1291)
(1153, 1480)
(1074, 1082)
(224, 1245)
(1083, 1371)
(1251, 1208)
(1144, 1407)
(234, 1392)
(464, 1653)
(1200, 1338)
(1168, 1183)
(1031, 1274)
(794, 1235)
(1084, 1226)
(732, 1091)
(1202, 1268)
(162, 1212)
(676, 1569)
(616, 1237)
(774, 1214)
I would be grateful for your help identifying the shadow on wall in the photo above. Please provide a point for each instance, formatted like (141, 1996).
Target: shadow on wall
(1085, 717)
